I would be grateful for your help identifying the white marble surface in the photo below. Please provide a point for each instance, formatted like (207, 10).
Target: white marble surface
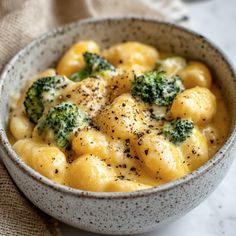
(217, 215)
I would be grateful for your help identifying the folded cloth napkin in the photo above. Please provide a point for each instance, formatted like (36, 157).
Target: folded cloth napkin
(20, 22)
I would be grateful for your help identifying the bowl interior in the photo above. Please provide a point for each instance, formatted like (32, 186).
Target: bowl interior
(45, 52)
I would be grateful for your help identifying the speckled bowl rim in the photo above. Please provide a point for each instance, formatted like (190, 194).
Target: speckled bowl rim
(7, 147)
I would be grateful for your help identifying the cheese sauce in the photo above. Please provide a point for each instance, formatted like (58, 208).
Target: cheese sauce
(124, 144)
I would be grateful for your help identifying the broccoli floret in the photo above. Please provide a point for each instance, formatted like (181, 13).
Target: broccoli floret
(178, 130)
(155, 88)
(60, 123)
(94, 65)
(41, 93)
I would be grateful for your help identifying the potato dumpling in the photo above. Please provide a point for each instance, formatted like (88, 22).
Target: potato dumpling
(89, 173)
(115, 153)
(90, 141)
(120, 84)
(171, 65)
(89, 94)
(47, 160)
(221, 119)
(196, 74)
(125, 186)
(72, 61)
(132, 56)
(122, 118)
(198, 104)
(161, 157)
(212, 136)
(216, 132)
(195, 150)
(21, 127)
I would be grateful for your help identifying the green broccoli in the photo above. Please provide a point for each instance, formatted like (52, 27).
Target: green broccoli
(60, 123)
(155, 88)
(41, 93)
(95, 65)
(178, 130)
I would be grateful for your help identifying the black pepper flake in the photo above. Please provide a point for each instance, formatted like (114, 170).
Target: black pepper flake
(140, 142)
(127, 150)
(140, 134)
(194, 152)
(121, 177)
(133, 169)
(56, 171)
(127, 141)
(146, 152)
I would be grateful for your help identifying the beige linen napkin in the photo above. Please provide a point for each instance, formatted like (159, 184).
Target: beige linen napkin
(20, 22)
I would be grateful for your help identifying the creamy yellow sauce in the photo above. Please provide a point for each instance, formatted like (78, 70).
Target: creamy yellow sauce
(126, 151)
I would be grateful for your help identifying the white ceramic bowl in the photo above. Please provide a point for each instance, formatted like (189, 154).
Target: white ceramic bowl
(117, 213)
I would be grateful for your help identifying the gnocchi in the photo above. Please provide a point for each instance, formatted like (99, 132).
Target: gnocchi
(82, 92)
(125, 186)
(160, 156)
(72, 61)
(21, 127)
(197, 103)
(195, 150)
(196, 74)
(92, 173)
(121, 119)
(121, 114)
(132, 56)
(48, 161)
